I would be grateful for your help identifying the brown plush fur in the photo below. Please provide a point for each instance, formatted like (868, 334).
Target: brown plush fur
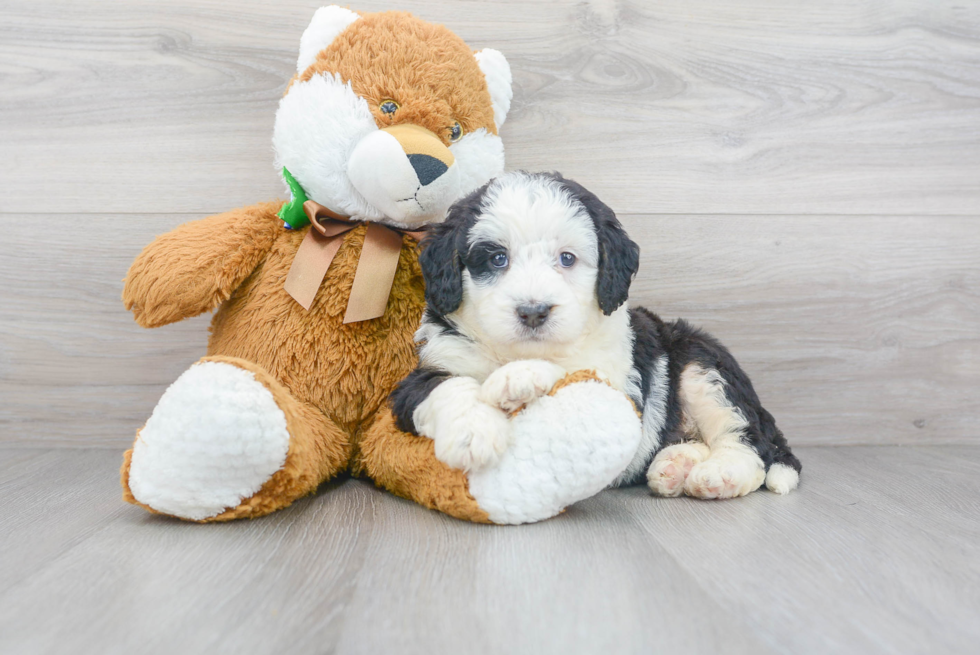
(585, 376)
(414, 63)
(406, 465)
(196, 267)
(330, 379)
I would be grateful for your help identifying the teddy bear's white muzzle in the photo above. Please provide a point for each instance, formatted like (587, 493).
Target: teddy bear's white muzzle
(406, 173)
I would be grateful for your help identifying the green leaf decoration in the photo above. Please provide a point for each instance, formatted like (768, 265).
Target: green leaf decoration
(292, 212)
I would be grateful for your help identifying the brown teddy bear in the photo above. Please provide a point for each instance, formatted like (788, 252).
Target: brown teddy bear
(386, 123)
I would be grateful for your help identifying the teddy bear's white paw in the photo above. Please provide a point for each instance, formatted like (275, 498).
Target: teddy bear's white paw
(727, 473)
(563, 449)
(213, 440)
(518, 383)
(672, 465)
(468, 433)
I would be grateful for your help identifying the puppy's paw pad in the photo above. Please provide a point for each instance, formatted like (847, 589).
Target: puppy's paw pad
(671, 467)
(665, 479)
(518, 383)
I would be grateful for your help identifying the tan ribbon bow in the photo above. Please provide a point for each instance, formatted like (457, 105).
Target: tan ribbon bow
(375, 268)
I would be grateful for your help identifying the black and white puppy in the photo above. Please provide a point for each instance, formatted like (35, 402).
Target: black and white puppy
(527, 280)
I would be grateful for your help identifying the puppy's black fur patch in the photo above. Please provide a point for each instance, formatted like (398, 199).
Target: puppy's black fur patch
(619, 256)
(477, 261)
(410, 393)
(443, 249)
(449, 328)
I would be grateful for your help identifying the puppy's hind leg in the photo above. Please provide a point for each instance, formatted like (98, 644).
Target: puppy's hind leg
(733, 468)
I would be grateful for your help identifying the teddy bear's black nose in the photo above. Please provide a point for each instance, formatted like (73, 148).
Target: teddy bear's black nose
(427, 167)
(533, 314)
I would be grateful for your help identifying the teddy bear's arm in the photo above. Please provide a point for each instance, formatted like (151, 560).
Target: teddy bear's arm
(197, 266)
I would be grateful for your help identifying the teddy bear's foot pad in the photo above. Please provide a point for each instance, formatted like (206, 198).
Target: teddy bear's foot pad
(564, 448)
(213, 440)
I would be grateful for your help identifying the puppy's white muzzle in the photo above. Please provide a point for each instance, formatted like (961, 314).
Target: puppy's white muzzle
(406, 172)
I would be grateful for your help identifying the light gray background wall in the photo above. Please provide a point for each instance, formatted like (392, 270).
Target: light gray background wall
(804, 183)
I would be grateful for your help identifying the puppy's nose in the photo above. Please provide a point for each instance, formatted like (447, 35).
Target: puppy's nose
(427, 167)
(533, 314)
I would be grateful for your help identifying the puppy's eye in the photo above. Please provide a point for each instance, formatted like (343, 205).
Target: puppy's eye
(566, 259)
(499, 260)
(456, 132)
(388, 107)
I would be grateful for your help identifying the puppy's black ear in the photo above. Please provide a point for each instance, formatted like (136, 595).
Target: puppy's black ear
(619, 259)
(619, 256)
(442, 254)
(442, 268)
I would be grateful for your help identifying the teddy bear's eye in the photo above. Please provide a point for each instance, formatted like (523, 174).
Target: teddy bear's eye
(388, 107)
(456, 132)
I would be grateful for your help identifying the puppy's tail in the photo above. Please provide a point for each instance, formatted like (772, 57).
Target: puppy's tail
(783, 475)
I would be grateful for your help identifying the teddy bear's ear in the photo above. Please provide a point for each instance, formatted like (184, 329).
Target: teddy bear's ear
(327, 23)
(497, 72)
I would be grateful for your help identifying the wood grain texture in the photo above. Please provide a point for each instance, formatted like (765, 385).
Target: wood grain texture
(75, 486)
(853, 330)
(678, 106)
(876, 553)
(869, 545)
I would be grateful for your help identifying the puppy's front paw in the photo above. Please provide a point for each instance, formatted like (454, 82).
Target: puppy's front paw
(518, 383)
(468, 433)
(473, 440)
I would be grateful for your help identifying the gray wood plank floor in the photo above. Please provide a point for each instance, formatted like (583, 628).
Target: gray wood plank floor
(878, 552)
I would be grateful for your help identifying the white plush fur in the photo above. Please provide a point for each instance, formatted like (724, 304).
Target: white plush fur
(380, 171)
(327, 137)
(213, 440)
(326, 25)
(654, 418)
(467, 432)
(318, 125)
(479, 157)
(496, 70)
(733, 468)
(554, 461)
(536, 221)
(782, 479)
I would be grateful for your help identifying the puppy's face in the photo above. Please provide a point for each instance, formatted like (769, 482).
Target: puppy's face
(528, 263)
